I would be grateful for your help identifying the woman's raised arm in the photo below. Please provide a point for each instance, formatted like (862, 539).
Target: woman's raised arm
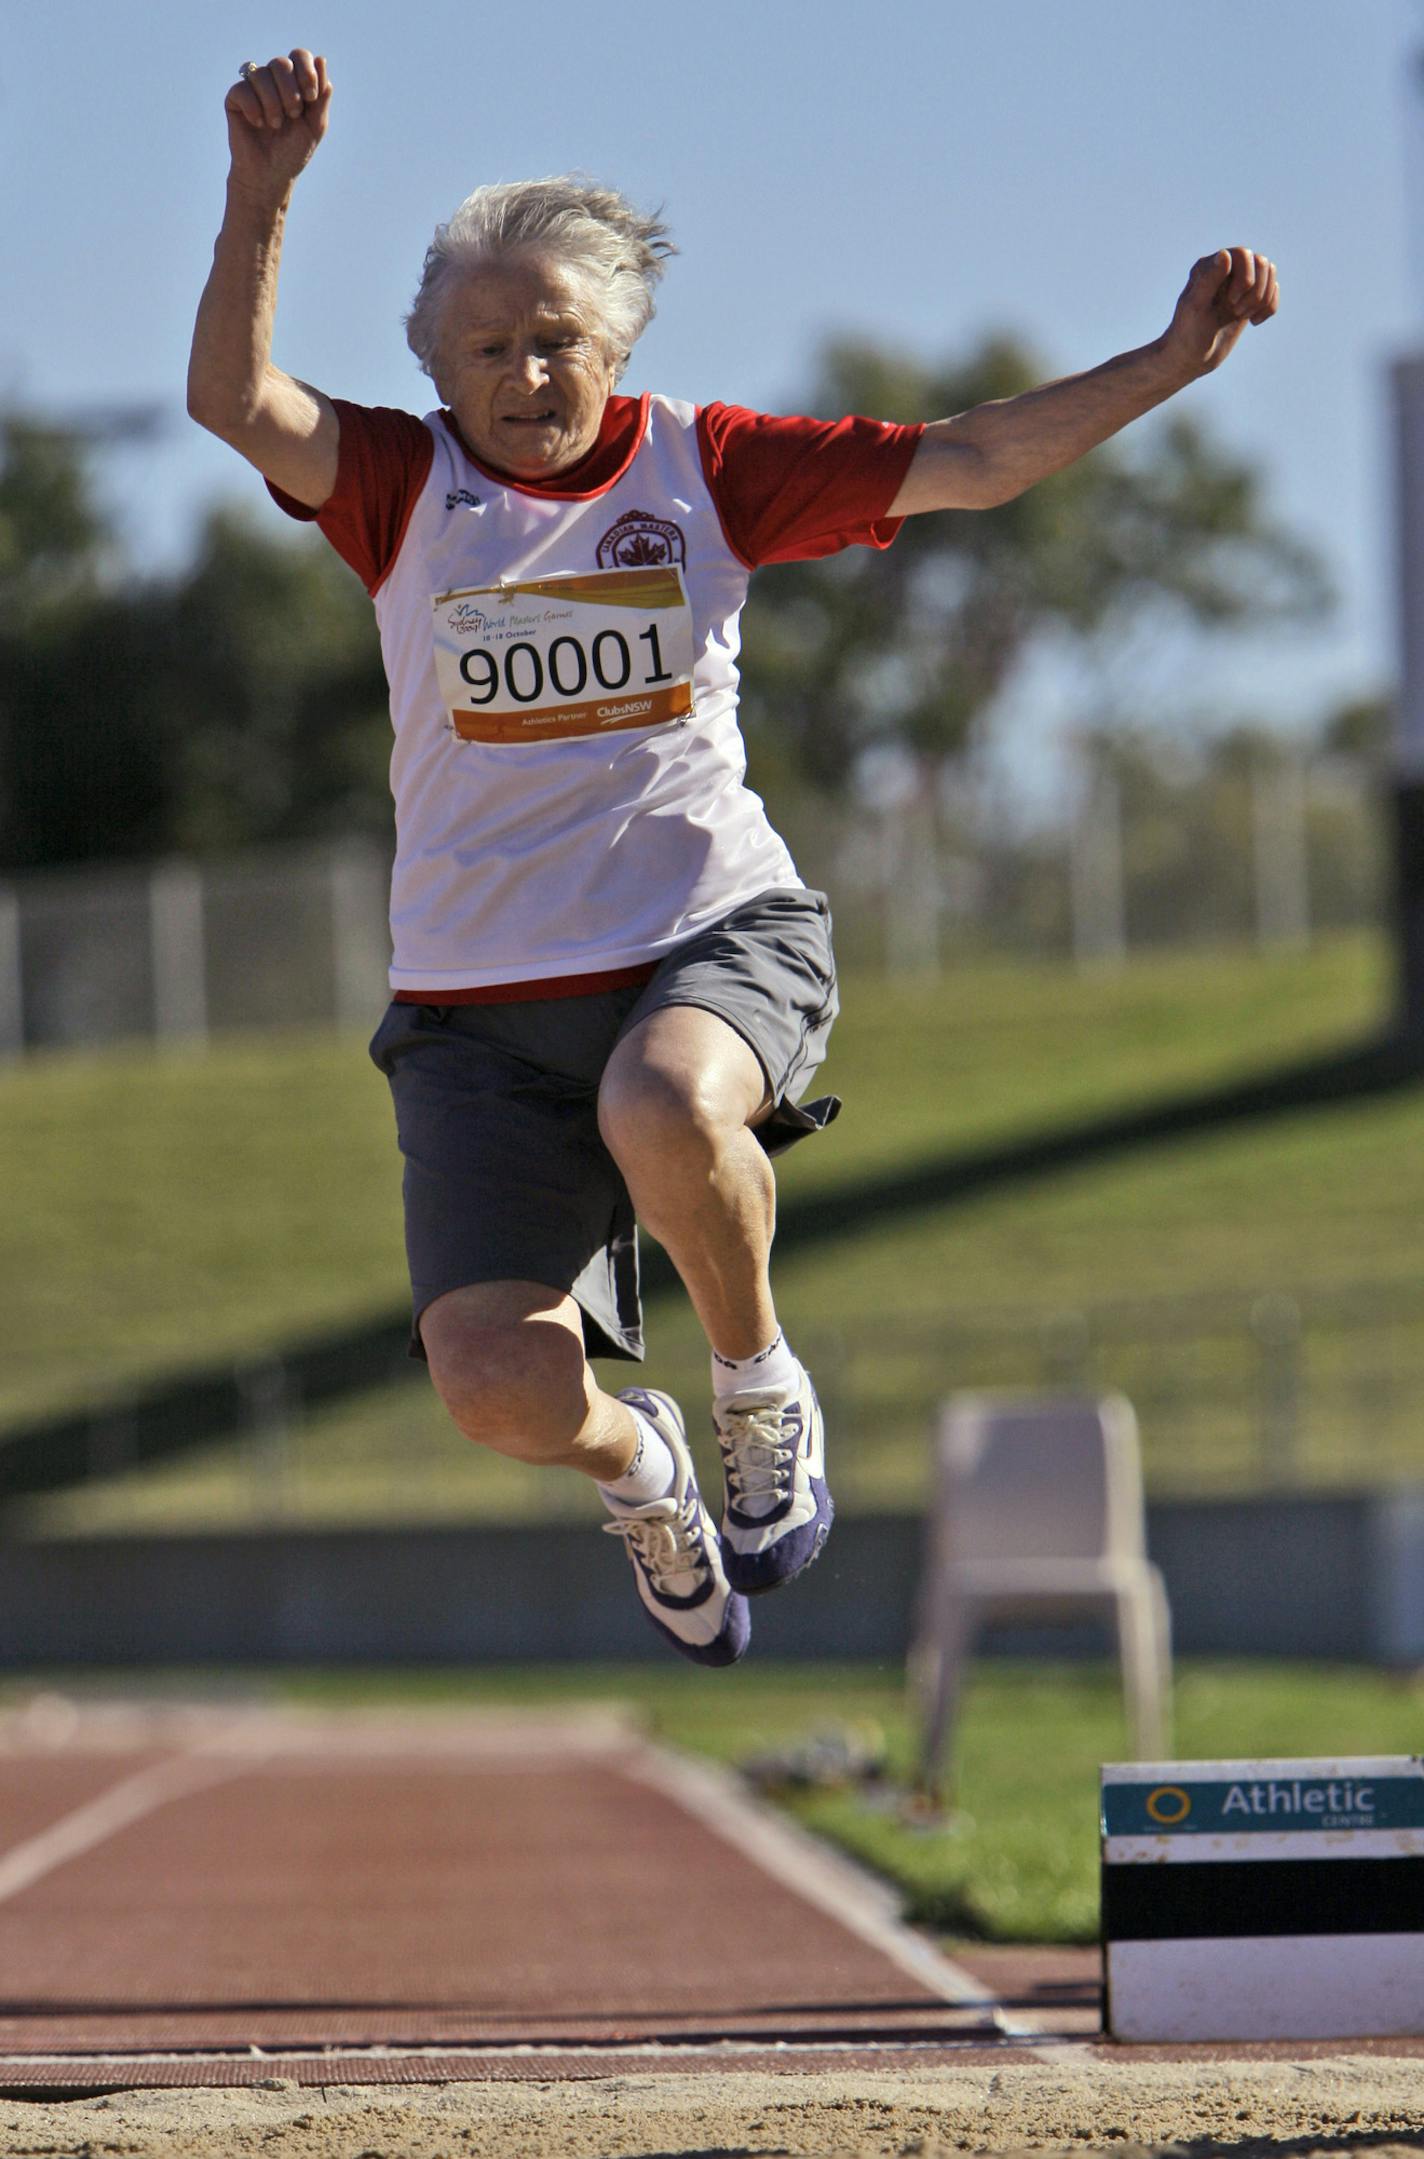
(993, 452)
(276, 117)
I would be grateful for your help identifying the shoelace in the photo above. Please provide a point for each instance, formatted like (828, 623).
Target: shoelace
(667, 1544)
(758, 1462)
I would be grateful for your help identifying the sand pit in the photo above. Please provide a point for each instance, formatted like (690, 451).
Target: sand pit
(1097, 2104)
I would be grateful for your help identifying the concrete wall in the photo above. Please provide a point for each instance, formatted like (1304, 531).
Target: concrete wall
(1338, 1576)
(1324, 1576)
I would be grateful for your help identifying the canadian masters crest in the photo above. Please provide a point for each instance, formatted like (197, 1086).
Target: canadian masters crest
(638, 540)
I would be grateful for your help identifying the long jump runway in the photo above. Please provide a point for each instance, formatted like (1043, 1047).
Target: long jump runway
(200, 1896)
(208, 1896)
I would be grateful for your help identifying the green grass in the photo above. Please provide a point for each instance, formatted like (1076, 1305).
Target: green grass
(162, 1211)
(166, 1211)
(1001, 1048)
(1018, 1861)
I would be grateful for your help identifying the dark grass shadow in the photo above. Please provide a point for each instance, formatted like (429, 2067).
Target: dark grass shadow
(1341, 1079)
(168, 1420)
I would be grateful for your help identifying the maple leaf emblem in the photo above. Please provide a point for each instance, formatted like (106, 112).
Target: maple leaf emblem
(639, 541)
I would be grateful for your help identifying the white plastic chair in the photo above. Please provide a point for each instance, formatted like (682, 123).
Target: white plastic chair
(1038, 1516)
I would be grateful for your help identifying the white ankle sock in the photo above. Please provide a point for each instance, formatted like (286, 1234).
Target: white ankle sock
(775, 1368)
(649, 1475)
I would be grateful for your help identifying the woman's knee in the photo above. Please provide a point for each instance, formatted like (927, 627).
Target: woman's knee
(682, 1079)
(655, 1106)
(517, 1388)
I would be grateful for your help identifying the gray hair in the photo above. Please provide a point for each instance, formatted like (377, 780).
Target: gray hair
(591, 230)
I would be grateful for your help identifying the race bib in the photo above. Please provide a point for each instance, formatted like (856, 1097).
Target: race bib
(568, 655)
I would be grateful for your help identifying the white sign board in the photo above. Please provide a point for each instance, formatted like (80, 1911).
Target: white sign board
(1264, 1899)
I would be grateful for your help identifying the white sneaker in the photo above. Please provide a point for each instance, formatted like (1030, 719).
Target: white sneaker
(676, 1554)
(778, 1510)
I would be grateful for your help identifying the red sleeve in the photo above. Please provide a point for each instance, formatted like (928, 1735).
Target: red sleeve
(383, 462)
(788, 490)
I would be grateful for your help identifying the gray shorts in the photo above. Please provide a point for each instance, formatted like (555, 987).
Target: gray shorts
(506, 1177)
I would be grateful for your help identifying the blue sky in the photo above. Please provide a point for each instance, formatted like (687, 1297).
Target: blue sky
(918, 172)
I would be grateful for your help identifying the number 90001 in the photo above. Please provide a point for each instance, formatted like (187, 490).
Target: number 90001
(525, 675)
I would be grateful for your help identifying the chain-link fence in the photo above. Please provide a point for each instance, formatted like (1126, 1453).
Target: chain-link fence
(174, 950)
(1272, 853)
(1268, 1391)
(1276, 852)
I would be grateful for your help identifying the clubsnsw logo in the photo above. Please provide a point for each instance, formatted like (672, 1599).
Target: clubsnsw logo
(1343, 1805)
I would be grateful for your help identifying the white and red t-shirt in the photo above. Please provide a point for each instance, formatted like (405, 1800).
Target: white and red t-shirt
(568, 771)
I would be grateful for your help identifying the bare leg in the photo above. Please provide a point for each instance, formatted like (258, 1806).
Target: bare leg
(507, 1361)
(680, 1097)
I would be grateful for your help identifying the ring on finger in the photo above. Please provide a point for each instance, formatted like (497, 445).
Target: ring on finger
(247, 70)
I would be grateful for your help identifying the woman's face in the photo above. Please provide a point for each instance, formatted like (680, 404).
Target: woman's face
(523, 366)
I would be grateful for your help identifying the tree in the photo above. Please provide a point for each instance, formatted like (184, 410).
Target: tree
(268, 675)
(1363, 730)
(52, 536)
(73, 761)
(913, 646)
(238, 701)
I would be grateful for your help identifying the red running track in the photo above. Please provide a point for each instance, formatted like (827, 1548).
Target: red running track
(210, 1896)
(204, 1895)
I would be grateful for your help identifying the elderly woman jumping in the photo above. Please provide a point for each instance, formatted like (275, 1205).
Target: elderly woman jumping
(611, 988)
